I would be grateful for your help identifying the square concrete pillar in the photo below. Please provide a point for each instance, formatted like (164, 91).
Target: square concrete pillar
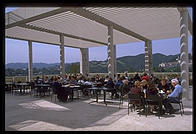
(30, 63)
(62, 59)
(84, 61)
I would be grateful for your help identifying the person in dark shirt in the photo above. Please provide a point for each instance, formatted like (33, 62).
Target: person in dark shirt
(136, 77)
(124, 88)
(110, 84)
(151, 90)
(164, 86)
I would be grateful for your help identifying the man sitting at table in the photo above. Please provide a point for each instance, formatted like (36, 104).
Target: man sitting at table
(164, 86)
(173, 97)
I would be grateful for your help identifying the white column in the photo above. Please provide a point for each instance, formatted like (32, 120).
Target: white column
(62, 60)
(184, 51)
(84, 61)
(115, 69)
(110, 52)
(30, 65)
(148, 57)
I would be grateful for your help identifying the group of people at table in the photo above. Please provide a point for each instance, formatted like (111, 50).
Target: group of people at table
(143, 85)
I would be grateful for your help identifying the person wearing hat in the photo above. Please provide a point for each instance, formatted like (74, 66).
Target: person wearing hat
(173, 97)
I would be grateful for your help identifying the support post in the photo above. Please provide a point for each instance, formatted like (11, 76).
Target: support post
(110, 52)
(62, 60)
(148, 57)
(84, 61)
(30, 65)
(184, 62)
(115, 69)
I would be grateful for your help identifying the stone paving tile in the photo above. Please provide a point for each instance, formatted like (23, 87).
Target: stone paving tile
(81, 116)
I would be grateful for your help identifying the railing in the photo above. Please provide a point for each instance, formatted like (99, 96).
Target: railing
(157, 74)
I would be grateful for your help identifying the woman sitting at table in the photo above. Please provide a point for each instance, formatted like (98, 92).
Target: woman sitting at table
(136, 90)
(151, 90)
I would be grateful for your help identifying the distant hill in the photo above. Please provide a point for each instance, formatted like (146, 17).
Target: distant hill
(126, 63)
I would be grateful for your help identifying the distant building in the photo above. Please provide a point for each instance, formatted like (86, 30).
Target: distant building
(169, 64)
(162, 65)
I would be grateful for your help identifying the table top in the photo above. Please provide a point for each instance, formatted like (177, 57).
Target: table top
(22, 84)
(9, 83)
(71, 86)
(42, 85)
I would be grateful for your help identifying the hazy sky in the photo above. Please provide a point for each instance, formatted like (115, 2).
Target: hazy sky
(17, 50)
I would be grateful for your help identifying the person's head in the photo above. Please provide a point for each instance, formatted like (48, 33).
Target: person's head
(126, 74)
(125, 82)
(137, 84)
(143, 83)
(163, 82)
(72, 78)
(55, 79)
(123, 77)
(174, 82)
(145, 74)
(110, 79)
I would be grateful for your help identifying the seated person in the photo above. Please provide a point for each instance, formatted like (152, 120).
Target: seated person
(124, 88)
(110, 85)
(136, 77)
(151, 90)
(164, 86)
(62, 94)
(73, 81)
(145, 77)
(136, 90)
(173, 97)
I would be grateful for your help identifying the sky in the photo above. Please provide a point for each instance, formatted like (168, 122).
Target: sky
(17, 50)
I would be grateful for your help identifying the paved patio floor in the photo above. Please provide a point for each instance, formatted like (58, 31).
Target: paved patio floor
(28, 113)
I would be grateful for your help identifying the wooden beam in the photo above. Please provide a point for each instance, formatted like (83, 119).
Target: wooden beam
(60, 33)
(92, 16)
(39, 41)
(37, 17)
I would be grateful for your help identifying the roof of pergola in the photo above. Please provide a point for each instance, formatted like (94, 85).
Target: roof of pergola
(84, 27)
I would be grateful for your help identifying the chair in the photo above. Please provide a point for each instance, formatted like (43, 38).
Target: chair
(179, 102)
(131, 99)
(153, 100)
(123, 92)
(54, 93)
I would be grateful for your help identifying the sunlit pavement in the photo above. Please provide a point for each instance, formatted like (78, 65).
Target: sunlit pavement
(28, 113)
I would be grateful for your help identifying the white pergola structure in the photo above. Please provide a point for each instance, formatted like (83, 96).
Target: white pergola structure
(85, 27)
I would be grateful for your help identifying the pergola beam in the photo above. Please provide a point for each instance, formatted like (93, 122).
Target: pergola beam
(92, 16)
(37, 17)
(59, 33)
(39, 41)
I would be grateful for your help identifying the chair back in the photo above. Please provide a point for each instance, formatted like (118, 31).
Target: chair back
(153, 98)
(134, 96)
(180, 96)
(54, 91)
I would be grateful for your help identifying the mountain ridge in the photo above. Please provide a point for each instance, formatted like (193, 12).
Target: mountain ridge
(124, 63)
